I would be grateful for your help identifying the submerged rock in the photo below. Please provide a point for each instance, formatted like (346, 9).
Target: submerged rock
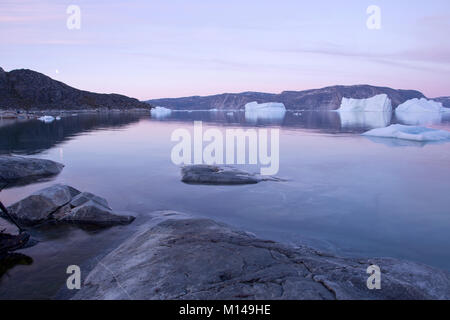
(175, 256)
(208, 174)
(20, 170)
(64, 203)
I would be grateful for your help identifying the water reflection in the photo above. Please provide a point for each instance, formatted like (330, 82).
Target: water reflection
(365, 120)
(34, 136)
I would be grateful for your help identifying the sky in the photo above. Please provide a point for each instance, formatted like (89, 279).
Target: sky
(155, 49)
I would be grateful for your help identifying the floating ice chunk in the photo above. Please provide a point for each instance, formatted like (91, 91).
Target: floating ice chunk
(378, 103)
(47, 119)
(58, 118)
(272, 112)
(420, 106)
(412, 133)
(369, 120)
(160, 112)
(263, 107)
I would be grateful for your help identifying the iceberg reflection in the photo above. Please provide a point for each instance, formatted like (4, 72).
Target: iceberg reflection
(361, 119)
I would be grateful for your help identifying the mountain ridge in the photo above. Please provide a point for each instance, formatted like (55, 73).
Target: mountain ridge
(31, 90)
(327, 98)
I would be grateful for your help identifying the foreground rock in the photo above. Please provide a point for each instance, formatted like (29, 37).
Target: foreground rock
(7, 227)
(63, 203)
(20, 170)
(175, 256)
(206, 174)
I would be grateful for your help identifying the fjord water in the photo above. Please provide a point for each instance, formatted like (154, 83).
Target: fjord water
(344, 193)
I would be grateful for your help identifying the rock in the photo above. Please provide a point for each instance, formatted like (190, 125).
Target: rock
(84, 197)
(7, 227)
(40, 205)
(94, 213)
(206, 174)
(20, 170)
(175, 256)
(62, 203)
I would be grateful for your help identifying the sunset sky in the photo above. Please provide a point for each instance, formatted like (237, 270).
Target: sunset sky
(154, 49)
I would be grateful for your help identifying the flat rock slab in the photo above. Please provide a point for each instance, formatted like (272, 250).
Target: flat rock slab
(220, 175)
(62, 203)
(175, 256)
(16, 170)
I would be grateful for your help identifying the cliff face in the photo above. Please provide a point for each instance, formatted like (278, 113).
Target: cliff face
(27, 89)
(318, 99)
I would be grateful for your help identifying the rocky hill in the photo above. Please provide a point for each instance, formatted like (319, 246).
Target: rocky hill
(27, 89)
(445, 101)
(328, 98)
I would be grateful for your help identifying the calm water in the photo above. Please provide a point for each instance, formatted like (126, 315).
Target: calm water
(345, 193)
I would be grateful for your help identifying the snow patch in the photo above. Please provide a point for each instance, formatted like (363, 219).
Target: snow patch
(412, 133)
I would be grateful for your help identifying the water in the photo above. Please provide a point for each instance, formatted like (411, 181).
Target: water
(345, 193)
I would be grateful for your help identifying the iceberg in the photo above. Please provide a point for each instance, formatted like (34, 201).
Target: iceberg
(265, 107)
(378, 103)
(412, 133)
(422, 118)
(270, 113)
(160, 112)
(47, 119)
(420, 106)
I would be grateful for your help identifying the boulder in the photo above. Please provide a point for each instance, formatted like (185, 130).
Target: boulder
(224, 175)
(40, 205)
(8, 227)
(20, 170)
(92, 212)
(175, 256)
(62, 203)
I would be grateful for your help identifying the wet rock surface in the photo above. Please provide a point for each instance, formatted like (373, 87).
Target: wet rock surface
(176, 256)
(62, 203)
(220, 175)
(15, 170)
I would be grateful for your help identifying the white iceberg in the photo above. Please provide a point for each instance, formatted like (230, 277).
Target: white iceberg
(47, 119)
(272, 112)
(411, 133)
(378, 103)
(160, 112)
(421, 106)
(422, 118)
(265, 107)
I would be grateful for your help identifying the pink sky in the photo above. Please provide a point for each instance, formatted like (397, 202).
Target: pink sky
(154, 49)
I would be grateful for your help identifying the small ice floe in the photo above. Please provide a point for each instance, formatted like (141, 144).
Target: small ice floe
(231, 113)
(272, 112)
(214, 110)
(411, 133)
(378, 103)
(58, 118)
(47, 119)
(160, 112)
(297, 114)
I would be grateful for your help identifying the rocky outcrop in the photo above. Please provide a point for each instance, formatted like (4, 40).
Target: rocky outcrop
(8, 227)
(328, 98)
(444, 100)
(16, 170)
(223, 175)
(62, 203)
(27, 89)
(175, 256)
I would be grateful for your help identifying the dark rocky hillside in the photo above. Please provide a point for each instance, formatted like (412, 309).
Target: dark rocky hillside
(27, 89)
(318, 99)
